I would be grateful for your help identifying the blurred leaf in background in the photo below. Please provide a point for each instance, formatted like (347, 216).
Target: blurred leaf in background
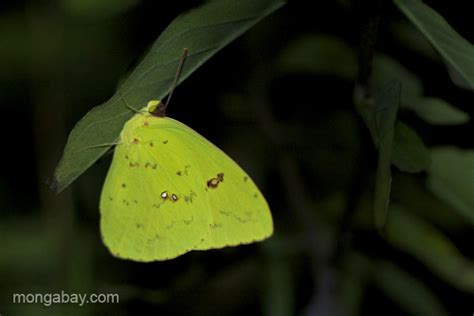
(451, 177)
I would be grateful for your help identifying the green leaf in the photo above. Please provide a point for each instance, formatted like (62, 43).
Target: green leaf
(410, 293)
(204, 31)
(411, 192)
(409, 36)
(439, 112)
(387, 69)
(433, 110)
(423, 241)
(409, 152)
(456, 51)
(319, 54)
(451, 178)
(280, 294)
(380, 117)
(385, 115)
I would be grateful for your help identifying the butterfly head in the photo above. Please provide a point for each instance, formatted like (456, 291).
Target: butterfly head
(156, 108)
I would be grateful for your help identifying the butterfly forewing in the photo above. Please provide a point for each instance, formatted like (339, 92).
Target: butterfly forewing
(144, 214)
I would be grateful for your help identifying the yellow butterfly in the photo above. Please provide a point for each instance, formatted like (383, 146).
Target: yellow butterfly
(170, 191)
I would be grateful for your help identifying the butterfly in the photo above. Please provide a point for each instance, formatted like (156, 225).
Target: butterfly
(170, 191)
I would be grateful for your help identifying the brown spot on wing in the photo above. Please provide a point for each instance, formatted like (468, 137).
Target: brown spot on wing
(220, 177)
(214, 182)
(215, 225)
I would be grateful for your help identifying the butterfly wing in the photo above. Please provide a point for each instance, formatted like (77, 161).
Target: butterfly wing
(240, 213)
(140, 220)
(210, 201)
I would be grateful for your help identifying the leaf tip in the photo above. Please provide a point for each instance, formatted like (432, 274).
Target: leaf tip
(52, 183)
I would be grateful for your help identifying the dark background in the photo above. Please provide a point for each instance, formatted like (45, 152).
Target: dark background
(296, 133)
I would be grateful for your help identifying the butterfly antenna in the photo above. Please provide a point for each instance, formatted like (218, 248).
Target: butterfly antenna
(176, 77)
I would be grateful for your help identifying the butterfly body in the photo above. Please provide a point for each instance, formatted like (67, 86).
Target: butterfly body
(165, 194)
